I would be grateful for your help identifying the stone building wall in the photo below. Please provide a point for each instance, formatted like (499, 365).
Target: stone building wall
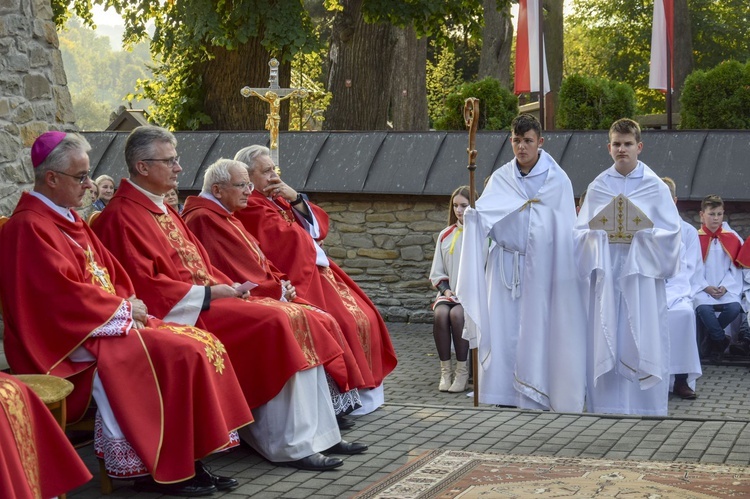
(386, 242)
(34, 96)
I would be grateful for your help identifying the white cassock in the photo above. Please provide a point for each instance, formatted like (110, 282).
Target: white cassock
(719, 270)
(524, 312)
(299, 420)
(683, 346)
(628, 364)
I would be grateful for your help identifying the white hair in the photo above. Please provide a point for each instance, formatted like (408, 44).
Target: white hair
(250, 154)
(218, 173)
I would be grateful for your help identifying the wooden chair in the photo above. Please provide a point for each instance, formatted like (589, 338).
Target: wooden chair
(94, 215)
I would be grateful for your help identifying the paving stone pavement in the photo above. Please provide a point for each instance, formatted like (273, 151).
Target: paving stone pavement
(715, 428)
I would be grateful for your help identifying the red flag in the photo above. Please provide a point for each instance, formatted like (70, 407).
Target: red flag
(662, 36)
(527, 49)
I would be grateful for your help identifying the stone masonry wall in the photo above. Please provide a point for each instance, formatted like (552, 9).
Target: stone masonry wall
(34, 96)
(385, 243)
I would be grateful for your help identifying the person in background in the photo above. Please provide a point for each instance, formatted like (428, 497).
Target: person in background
(172, 198)
(449, 314)
(105, 186)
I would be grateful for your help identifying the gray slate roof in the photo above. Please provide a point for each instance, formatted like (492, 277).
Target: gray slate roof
(434, 163)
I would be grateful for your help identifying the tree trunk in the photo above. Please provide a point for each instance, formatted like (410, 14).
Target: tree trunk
(683, 50)
(409, 82)
(223, 77)
(554, 49)
(497, 38)
(360, 64)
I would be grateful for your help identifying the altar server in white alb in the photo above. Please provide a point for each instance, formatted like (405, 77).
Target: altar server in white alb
(525, 311)
(625, 264)
(684, 361)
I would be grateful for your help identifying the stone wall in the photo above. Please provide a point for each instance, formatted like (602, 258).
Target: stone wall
(34, 96)
(385, 243)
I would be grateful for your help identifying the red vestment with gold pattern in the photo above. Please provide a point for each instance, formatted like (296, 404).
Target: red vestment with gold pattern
(234, 251)
(268, 340)
(289, 246)
(36, 459)
(172, 388)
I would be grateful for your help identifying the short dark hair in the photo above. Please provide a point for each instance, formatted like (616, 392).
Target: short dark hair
(139, 144)
(711, 201)
(525, 122)
(625, 126)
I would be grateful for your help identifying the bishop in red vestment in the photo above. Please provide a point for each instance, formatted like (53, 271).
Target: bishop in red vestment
(270, 342)
(36, 459)
(166, 394)
(289, 228)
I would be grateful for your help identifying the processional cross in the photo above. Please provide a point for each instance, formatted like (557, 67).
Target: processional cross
(273, 95)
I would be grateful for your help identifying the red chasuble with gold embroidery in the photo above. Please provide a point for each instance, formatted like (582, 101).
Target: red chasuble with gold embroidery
(36, 459)
(268, 340)
(58, 286)
(288, 245)
(234, 251)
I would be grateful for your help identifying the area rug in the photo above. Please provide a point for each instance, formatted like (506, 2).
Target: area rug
(459, 474)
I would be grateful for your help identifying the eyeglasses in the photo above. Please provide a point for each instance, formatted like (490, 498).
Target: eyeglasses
(81, 178)
(169, 161)
(244, 185)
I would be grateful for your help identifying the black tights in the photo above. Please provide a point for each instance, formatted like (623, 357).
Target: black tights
(449, 323)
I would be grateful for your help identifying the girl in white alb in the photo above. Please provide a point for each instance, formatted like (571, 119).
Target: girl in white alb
(449, 314)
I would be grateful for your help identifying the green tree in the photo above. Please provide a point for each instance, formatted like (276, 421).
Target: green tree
(591, 103)
(612, 39)
(717, 98)
(497, 106)
(443, 78)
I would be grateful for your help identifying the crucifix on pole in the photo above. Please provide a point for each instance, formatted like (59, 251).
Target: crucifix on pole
(273, 95)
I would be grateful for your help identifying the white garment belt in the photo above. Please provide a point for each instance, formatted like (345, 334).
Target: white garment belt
(515, 285)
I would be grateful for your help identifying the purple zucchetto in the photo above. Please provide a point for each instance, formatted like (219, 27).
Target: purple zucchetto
(45, 144)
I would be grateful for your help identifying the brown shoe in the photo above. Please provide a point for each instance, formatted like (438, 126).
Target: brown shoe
(682, 390)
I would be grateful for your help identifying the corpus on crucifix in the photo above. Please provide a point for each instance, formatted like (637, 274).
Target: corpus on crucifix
(273, 95)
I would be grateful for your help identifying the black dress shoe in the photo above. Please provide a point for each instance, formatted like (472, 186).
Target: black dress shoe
(683, 391)
(347, 448)
(204, 476)
(187, 488)
(316, 462)
(344, 422)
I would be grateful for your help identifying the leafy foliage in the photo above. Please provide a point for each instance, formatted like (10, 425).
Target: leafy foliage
(443, 78)
(497, 106)
(717, 98)
(307, 72)
(99, 78)
(591, 103)
(612, 39)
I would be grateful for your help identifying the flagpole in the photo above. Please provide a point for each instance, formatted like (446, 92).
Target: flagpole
(669, 68)
(540, 15)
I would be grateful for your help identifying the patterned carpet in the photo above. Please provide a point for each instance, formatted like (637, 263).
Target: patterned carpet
(459, 474)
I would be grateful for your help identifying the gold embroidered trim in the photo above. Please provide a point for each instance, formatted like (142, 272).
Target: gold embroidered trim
(214, 348)
(17, 412)
(187, 251)
(360, 319)
(301, 328)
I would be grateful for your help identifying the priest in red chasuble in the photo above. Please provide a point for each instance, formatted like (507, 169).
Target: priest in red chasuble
(166, 394)
(277, 351)
(235, 252)
(37, 459)
(289, 229)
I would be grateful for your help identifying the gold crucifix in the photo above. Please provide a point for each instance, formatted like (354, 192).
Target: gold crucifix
(273, 95)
